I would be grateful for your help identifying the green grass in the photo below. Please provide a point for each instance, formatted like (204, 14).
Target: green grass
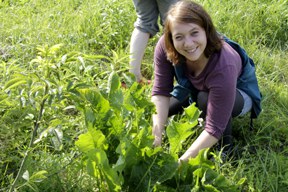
(95, 38)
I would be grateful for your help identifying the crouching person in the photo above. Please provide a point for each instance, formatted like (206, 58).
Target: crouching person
(210, 70)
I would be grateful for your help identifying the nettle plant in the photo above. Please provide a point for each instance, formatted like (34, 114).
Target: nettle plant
(118, 145)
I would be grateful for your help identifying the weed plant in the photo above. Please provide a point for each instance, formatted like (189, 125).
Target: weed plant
(58, 59)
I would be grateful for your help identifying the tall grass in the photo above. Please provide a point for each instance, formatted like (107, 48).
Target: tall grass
(94, 28)
(262, 21)
(88, 26)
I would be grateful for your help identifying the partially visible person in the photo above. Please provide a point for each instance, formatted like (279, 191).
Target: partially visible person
(211, 70)
(146, 26)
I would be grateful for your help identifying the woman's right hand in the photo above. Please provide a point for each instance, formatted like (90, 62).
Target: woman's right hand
(157, 132)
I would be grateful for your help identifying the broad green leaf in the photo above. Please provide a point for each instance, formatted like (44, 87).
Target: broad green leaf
(129, 154)
(116, 99)
(164, 168)
(177, 133)
(117, 126)
(91, 140)
(213, 181)
(113, 83)
(199, 173)
(218, 180)
(111, 176)
(151, 151)
(192, 112)
(129, 102)
(201, 160)
(97, 101)
(151, 170)
(210, 176)
(144, 136)
(90, 117)
(91, 168)
(185, 173)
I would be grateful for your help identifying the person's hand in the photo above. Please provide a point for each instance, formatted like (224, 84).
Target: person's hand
(157, 132)
(157, 141)
(186, 156)
(180, 162)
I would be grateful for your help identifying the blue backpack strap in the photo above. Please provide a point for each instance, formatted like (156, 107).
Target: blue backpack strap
(244, 57)
(247, 80)
(184, 88)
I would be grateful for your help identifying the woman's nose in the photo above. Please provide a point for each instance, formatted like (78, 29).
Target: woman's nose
(189, 42)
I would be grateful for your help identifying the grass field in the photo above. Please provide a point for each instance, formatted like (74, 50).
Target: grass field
(62, 62)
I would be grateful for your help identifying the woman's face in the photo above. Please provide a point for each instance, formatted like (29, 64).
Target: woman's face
(189, 40)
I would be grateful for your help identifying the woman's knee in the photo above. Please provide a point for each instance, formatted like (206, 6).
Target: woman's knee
(238, 104)
(177, 107)
(202, 99)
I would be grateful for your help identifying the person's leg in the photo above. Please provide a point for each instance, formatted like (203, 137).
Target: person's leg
(145, 27)
(177, 107)
(202, 99)
(163, 7)
(138, 44)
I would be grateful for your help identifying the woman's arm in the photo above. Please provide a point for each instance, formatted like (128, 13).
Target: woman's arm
(160, 118)
(204, 140)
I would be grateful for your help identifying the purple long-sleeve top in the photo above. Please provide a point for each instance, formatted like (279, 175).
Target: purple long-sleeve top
(218, 78)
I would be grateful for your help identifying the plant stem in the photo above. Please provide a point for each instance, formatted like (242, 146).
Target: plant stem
(34, 133)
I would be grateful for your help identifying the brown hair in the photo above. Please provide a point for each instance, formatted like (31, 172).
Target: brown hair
(187, 11)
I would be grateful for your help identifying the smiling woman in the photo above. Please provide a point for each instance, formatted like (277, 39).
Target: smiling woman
(208, 71)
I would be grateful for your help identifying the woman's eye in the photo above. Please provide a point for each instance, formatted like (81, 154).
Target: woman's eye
(194, 33)
(178, 38)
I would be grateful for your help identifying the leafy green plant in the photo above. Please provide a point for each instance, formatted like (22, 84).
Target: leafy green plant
(118, 143)
(38, 89)
(41, 88)
(96, 36)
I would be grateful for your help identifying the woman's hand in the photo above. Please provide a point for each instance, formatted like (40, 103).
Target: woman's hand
(205, 140)
(157, 132)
